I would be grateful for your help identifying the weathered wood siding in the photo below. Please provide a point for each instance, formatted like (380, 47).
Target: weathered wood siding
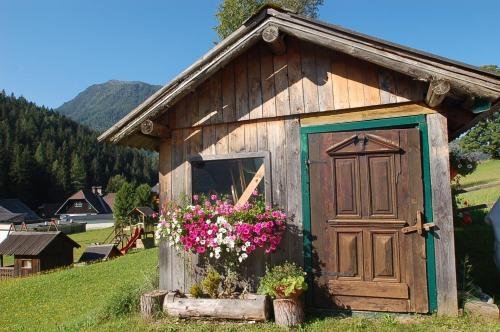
(255, 103)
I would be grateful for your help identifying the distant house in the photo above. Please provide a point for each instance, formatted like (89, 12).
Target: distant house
(85, 203)
(15, 205)
(14, 211)
(48, 210)
(109, 198)
(36, 252)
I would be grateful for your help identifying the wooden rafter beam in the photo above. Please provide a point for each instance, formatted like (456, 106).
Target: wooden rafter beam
(151, 128)
(438, 89)
(274, 39)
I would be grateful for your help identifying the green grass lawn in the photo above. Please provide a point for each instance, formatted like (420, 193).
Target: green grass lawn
(89, 237)
(71, 299)
(486, 172)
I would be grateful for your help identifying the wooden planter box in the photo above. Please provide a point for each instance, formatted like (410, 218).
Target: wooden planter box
(252, 307)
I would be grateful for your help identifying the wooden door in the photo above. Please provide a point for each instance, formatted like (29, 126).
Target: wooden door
(365, 187)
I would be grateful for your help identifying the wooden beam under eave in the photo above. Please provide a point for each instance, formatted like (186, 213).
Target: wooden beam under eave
(438, 89)
(274, 39)
(154, 129)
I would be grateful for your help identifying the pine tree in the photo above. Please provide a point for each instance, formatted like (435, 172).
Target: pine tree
(124, 203)
(78, 175)
(143, 195)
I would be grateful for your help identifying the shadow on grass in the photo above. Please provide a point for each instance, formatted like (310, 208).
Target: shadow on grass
(476, 241)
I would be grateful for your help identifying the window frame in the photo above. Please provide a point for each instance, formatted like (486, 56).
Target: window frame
(25, 260)
(265, 155)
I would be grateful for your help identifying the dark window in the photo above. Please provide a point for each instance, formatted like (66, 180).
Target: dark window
(228, 177)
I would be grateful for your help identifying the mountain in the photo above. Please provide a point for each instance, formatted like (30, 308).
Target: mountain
(45, 156)
(101, 105)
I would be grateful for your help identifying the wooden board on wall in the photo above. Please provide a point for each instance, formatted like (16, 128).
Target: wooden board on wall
(442, 215)
(367, 113)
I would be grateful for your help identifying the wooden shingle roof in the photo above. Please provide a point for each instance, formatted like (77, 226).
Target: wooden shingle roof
(31, 243)
(464, 79)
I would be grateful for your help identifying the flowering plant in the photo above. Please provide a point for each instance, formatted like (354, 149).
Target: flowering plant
(218, 228)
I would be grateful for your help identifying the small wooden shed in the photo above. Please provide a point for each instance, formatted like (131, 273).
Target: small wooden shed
(36, 252)
(352, 133)
(99, 252)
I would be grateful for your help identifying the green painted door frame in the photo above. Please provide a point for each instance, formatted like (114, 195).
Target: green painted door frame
(418, 121)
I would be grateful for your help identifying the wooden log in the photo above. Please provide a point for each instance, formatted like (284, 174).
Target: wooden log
(438, 89)
(272, 36)
(288, 312)
(253, 307)
(152, 303)
(150, 128)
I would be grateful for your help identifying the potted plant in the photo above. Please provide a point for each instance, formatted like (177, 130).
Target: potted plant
(224, 235)
(285, 284)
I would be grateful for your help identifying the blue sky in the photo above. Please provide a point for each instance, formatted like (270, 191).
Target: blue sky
(51, 50)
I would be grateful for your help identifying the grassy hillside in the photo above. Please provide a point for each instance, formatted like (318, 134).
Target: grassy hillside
(487, 172)
(101, 105)
(71, 299)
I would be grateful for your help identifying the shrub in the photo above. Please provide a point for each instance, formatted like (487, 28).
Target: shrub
(196, 291)
(211, 283)
(283, 281)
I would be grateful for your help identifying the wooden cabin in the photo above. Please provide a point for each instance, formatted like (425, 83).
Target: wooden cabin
(36, 252)
(353, 134)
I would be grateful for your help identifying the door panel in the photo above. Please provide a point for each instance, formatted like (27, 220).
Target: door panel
(365, 187)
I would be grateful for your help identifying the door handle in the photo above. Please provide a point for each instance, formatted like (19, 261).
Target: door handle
(419, 226)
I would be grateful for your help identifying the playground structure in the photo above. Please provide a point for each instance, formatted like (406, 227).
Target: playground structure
(128, 236)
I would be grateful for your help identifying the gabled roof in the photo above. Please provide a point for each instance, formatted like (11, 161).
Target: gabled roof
(8, 217)
(464, 79)
(31, 243)
(15, 205)
(99, 252)
(109, 198)
(144, 210)
(96, 201)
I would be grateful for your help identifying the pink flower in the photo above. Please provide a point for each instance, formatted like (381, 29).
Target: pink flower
(196, 198)
(213, 197)
(255, 192)
(200, 249)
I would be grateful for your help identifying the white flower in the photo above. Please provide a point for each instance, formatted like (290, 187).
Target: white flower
(202, 242)
(211, 254)
(240, 259)
(244, 256)
(222, 230)
(469, 166)
(227, 249)
(459, 165)
(247, 244)
(209, 232)
(217, 256)
(197, 239)
(208, 221)
(221, 220)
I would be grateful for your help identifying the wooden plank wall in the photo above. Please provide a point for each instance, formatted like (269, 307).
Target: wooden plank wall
(307, 79)
(254, 104)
